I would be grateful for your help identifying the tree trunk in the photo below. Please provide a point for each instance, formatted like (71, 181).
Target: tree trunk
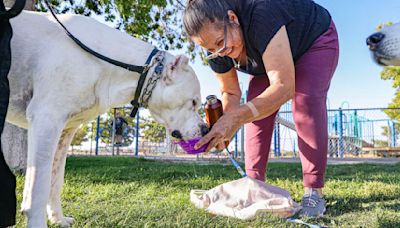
(14, 140)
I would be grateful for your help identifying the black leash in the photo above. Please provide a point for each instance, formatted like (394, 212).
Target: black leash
(142, 70)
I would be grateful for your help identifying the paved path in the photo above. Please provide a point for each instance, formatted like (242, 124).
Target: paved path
(338, 161)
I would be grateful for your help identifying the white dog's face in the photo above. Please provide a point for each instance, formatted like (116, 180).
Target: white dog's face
(176, 99)
(385, 46)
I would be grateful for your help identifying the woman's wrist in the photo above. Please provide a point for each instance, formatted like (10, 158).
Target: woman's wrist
(231, 108)
(244, 114)
(230, 102)
(253, 109)
(240, 115)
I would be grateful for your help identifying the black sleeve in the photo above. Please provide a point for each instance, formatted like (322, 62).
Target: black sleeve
(124, 121)
(221, 64)
(268, 17)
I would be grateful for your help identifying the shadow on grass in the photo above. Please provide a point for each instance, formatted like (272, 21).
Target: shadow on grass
(340, 205)
(388, 223)
(117, 169)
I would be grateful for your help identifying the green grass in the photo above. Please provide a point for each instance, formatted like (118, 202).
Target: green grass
(128, 192)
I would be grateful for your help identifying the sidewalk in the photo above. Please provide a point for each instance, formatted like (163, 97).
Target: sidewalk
(345, 161)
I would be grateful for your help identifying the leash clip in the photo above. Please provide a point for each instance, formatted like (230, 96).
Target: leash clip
(146, 68)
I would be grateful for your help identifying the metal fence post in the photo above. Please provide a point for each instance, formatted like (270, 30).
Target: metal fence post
(97, 135)
(236, 144)
(275, 147)
(277, 139)
(341, 146)
(242, 142)
(389, 137)
(356, 131)
(294, 148)
(137, 134)
(393, 134)
(91, 138)
(113, 132)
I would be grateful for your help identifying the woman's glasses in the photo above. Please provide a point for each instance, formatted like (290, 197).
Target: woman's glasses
(221, 50)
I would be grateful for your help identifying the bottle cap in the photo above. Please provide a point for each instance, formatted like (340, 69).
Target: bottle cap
(211, 99)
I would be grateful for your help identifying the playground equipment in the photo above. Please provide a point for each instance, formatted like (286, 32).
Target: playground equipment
(106, 134)
(349, 132)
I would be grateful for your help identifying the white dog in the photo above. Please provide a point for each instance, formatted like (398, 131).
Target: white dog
(56, 86)
(385, 45)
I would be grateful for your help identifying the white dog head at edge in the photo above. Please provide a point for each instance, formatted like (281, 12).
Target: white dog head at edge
(385, 45)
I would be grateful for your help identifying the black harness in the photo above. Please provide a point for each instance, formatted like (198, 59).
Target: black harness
(142, 70)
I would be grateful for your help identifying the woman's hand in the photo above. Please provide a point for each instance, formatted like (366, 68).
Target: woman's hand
(222, 145)
(223, 130)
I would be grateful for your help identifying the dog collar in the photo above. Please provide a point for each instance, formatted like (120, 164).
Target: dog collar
(154, 77)
(147, 93)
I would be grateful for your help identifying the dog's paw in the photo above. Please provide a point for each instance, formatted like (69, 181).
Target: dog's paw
(64, 222)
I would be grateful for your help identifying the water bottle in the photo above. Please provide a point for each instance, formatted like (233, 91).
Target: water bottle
(213, 110)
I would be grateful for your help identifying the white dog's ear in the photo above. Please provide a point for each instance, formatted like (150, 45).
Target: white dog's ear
(180, 61)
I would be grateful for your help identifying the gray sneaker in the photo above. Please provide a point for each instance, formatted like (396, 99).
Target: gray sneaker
(313, 204)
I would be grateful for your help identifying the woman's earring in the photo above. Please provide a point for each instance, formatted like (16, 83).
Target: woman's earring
(236, 24)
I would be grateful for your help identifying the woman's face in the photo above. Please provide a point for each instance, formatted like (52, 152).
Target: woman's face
(221, 39)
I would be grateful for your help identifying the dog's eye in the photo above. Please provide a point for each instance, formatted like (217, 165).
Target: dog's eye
(194, 102)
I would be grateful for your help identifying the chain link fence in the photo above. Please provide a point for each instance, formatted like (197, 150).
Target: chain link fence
(352, 132)
(141, 137)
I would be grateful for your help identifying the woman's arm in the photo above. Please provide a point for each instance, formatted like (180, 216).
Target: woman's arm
(278, 62)
(231, 94)
(230, 90)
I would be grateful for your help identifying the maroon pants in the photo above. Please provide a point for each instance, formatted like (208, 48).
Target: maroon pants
(314, 71)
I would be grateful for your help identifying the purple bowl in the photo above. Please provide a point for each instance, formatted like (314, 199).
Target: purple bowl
(188, 146)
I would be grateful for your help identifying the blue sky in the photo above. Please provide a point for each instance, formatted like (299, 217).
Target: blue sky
(357, 82)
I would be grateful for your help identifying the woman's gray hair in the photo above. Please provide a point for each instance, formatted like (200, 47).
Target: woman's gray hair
(200, 12)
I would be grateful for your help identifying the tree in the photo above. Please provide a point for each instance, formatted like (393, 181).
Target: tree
(81, 135)
(152, 130)
(155, 21)
(392, 73)
(381, 143)
(202, 112)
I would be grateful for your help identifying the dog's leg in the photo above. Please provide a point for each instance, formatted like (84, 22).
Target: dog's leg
(45, 127)
(54, 209)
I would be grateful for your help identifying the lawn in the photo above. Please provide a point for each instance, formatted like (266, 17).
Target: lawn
(129, 192)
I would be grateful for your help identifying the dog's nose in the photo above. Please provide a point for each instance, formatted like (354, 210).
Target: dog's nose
(374, 40)
(204, 129)
(176, 134)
